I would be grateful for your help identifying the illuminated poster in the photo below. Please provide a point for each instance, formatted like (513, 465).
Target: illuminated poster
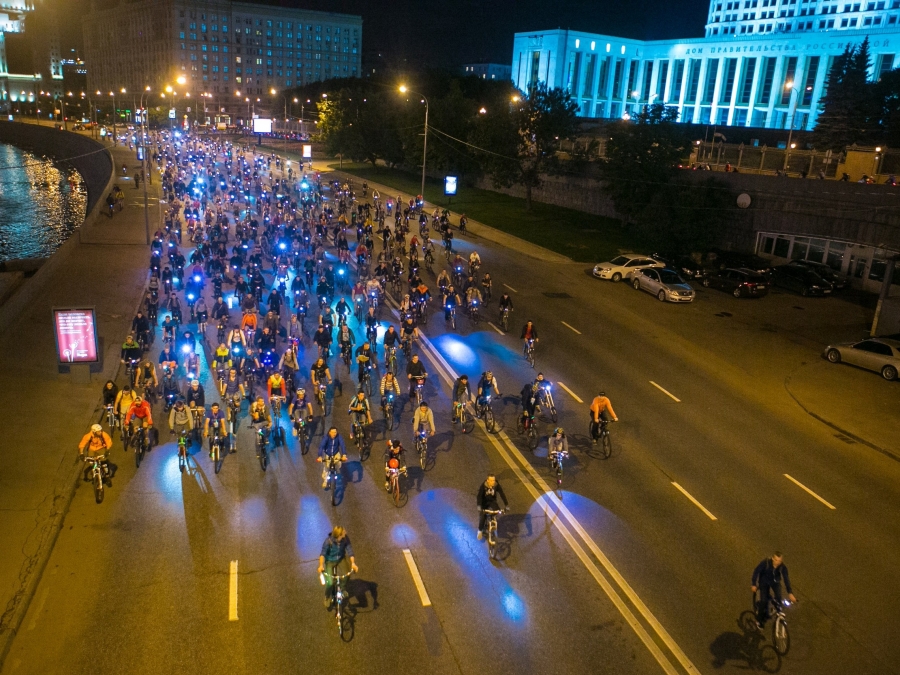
(262, 126)
(450, 185)
(307, 152)
(76, 335)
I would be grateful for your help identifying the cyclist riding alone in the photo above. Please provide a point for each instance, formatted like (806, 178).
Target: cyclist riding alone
(394, 459)
(529, 334)
(599, 406)
(97, 443)
(488, 493)
(766, 579)
(335, 559)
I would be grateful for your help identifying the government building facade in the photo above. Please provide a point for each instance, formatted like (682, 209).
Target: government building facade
(762, 63)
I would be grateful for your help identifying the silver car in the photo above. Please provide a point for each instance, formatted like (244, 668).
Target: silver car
(881, 355)
(665, 284)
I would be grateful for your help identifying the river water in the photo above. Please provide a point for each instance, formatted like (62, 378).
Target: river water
(41, 204)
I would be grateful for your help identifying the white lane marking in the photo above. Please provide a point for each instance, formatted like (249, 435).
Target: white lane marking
(233, 591)
(39, 609)
(417, 578)
(669, 394)
(803, 487)
(571, 393)
(495, 328)
(511, 288)
(549, 497)
(574, 330)
(695, 502)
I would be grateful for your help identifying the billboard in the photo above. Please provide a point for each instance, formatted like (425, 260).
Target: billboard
(262, 125)
(171, 113)
(450, 185)
(76, 335)
(307, 152)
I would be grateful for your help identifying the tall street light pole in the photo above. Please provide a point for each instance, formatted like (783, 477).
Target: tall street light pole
(403, 90)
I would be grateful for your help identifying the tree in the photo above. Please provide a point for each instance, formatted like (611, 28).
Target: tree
(848, 107)
(522, 142)
(642, 155)
(886, 93)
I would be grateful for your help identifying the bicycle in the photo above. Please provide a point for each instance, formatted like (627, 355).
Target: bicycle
(139, 438)
(485, 412)
(417, 390)
(390, 360)
(321, 390)
(182, 450)
(474, 315)
(331, 479)
(262, 447)
(556, 463)
(504, 319)
(98, 475)
(529, 352)
(277, 432)
(112, 420)
(451, 316)
(360, 438)
(366, 382)
(197, 431)
(545, 400)
(599, 433)
(781, 637)
(234, 407)
(462, 414)
(345, 354)
(530, 430)
(339, 598)
(388, 411)
(303, 434)
(422, 448)
(397, 493)
(215, 450)
(490, 527)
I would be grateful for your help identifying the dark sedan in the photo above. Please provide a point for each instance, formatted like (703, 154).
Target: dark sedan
(800, 280)
(685, 266)
(719, 259)
(741, 283)
(838, 281)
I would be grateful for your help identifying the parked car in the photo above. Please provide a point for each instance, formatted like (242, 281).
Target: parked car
(664, 283)
(800, 280)
(838, 281)
(684, 265)
(720, 260)
(623, 265)
(881, 355)
(741, 283)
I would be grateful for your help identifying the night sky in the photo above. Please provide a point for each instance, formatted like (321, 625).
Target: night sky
(450, 32)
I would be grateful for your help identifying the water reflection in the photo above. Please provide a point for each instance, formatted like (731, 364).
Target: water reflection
(41, 204)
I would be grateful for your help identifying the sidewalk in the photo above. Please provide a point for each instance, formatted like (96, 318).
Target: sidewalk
(45, 413)
(475, 228)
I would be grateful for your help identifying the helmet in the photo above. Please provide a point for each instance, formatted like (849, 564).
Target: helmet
(393, 463)
(138, 398)
(96, 428)
(557, 431)
(602, 393)
(195, 383)
(301, 392)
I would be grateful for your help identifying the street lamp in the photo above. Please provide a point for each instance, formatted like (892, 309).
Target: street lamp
(403, 90)
(792, 109)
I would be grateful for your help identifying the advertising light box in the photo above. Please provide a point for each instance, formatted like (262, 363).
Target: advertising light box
(262, 125)
(76, 335)
(450, 183)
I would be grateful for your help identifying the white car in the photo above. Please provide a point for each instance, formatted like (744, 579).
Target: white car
(881, 355)
(624, 265)
(665, 284)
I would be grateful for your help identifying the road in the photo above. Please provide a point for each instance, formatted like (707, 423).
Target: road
(641, 562)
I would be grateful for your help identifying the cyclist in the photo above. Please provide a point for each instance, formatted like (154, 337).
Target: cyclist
(359, 406)
(599, 406)
(365, 357)
(529, 334)
(233, 389)
(389, 384)
(180, 418)
(333, 560)
(461, 395)
(373, 288)
(557, 443)
(473, 297)
(259, 413)
(168, 357)
(346, 338)
(408, 333)
(423, 418)
(300, 408)
(288, 365)
(487, 383)
(487, 285)
(529, 402)
(452, 301)
(169, 386)
(371, 324)
(215, 418)
(767, 578)
(394, 458)
(415, 373)
(196, 395)
(145, 376)
(488, 493)
(141, 327)
(123, 402)
(110, 394)
(343, 310)
(333, 448)
(276, 382)
(131, 350)
(322, 338)
(97, 442)
(443, 280)
(506, 302)
(141, 410)
(390, 340)
(474, 262)
(318, 372)
(237, 341)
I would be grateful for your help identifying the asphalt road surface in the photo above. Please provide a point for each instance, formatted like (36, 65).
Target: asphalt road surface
(640, 563)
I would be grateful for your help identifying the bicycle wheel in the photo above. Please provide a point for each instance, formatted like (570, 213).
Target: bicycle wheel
(395, 490)
(217, 458)
(389, 419)
(530, 358)
(532, 437)
(263, 458)
(466, 421)
(553, 415)
(780, 636)
(333, 480)
(423, 455)
(304, 446)
(520, 425)
(492, 542)
(98, 487)
(364, 447)
(138, 453)
(182, 459)
(606, 444)
(489, 422)
(559, 473)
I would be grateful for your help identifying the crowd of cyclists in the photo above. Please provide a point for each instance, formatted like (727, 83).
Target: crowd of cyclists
(257, 265)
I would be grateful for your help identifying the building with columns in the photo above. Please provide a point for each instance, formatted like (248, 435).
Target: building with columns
(762, 63)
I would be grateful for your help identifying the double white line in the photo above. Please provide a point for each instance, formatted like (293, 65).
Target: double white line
(656, 639)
